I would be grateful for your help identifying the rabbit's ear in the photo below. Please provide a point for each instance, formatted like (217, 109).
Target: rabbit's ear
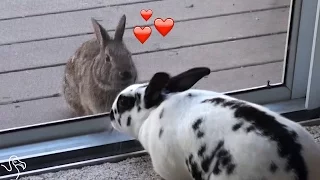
(186, 80)
(118, 35)
(100, 32)
(154, 89)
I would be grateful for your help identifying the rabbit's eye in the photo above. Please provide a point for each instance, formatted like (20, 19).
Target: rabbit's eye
(125, 103)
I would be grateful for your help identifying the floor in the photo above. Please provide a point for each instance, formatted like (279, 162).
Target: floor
(242, 42)
(131, 169)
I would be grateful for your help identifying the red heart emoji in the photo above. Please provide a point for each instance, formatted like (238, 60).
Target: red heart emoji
(142, 33)
(164, 26)
(146, 14)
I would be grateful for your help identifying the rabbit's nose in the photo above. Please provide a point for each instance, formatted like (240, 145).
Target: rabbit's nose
(124, 75)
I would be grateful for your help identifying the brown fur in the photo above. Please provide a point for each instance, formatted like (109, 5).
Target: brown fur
(91, 82)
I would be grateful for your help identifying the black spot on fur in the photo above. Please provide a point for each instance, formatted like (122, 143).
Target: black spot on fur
(190, 95)
(250, 128)
(195, 170)
(269, 127)
(222, 158)
(273, 167)
(202, 150)
(230, 168)
(214, 101)
(222, 153)
(216, 169)
(196, 124)
(112, 115)
(233, 104)
(200, 134)
(161, 114)
(237, 126)
(129, 121)
(160, 132)
(205, 164)
(125, 103)
(224, 161)
(115, 111)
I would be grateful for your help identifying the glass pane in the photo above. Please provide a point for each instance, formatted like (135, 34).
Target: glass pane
(243, 43)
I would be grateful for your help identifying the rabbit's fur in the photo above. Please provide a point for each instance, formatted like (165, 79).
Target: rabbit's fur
(204, 135)
(98, 71)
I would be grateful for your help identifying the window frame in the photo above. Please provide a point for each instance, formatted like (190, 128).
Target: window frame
(296, 93)
(313, 86)
(303, 46)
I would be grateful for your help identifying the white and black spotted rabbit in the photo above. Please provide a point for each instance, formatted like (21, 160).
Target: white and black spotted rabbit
(98, 71)
(204, 135)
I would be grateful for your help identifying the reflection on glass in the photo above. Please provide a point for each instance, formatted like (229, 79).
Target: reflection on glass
(242, 43)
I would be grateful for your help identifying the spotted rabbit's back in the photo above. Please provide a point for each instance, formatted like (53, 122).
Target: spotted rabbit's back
(221, 138)
(203, 135)
(238, 140)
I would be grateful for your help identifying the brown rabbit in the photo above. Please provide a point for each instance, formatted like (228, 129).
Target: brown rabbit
(98, 71)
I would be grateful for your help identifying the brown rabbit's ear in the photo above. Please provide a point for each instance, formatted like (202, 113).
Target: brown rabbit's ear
(100, 32)
(120, 28)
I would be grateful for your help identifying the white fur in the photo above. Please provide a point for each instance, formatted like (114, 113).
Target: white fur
(251, 153)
